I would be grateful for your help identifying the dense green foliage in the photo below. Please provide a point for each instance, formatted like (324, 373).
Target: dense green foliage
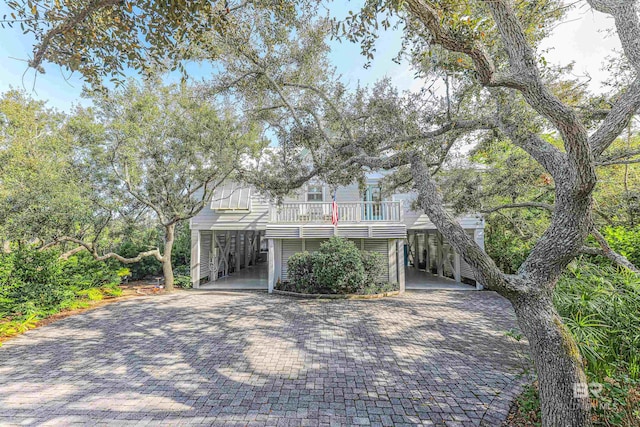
(35, 284)
(148, 266)
(601, 307)
(339, 267)
(624, 240)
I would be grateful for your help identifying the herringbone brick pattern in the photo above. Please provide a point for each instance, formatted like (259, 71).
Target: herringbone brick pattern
(430, 358)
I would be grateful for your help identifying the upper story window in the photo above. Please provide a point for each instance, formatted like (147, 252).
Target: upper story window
(314, 193)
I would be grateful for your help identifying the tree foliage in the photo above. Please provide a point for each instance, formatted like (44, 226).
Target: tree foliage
(106, 38)
(164, 149)
(42, 192)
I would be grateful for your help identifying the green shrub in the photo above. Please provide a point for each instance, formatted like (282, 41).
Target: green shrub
(182, 270)
(82, 271)
(300, 273)
(373, 263)
(35, 284)
(601, 307)
(31, 280)
(112, 291)
(181, 252)
(625, 241)
(182, 281)
(148, 266)
(337, 267)
(92, 294)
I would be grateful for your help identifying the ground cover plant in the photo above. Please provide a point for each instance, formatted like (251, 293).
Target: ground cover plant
(35, 284)
(600, 305)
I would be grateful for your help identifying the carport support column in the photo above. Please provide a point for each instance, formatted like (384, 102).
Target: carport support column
(272, 265)
(456, 267)
(195, 258)
(416, 251)
(478, 236)
(237, 251)
(400, 263)
(247, 248)
(427, 252)
(255, 253)
(440, 254)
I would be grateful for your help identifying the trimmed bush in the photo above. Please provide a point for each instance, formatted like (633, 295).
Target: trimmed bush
(372, 263)
(182, 281)
(301, 272)
(30, 280)
(337, 268)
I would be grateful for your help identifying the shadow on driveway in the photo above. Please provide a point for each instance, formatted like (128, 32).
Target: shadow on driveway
(256, 359)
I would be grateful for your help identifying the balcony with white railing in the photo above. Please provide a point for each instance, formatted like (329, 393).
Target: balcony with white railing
(348, 212)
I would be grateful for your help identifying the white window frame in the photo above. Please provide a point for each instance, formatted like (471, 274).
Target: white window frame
(308, 192)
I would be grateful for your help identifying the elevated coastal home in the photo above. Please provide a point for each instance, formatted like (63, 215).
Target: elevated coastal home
(243, 240)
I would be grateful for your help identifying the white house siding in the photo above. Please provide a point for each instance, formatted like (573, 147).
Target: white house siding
(289, 247)
(420, 221)
(350, 193)
(382, 247)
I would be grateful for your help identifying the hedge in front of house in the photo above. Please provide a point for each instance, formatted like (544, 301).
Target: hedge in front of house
(339, 267)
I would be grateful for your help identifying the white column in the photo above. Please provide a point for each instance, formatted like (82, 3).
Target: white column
(392, 261)
(272, 265)
(478, 236)
(247, 249)
(237, 251)
(400, 262)
(427, 257)
(195, 258)
(416, 251)
(256, 253)
(456, 267)
(440, 254)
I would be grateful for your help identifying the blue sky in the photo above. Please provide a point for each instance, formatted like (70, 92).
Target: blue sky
(580, 39)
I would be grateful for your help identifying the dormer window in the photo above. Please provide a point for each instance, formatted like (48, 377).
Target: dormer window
(314, 193)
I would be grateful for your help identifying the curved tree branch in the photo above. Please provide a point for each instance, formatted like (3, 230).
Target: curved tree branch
(93, 251)
(606, 251)
(430, 200)
(617, 119)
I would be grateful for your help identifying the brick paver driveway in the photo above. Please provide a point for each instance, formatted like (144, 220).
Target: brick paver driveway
(254, 359)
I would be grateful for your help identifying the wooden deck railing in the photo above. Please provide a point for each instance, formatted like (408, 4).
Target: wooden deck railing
(348, 212)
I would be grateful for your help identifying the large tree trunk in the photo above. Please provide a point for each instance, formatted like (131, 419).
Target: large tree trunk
(167, 268)
(563, 395)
